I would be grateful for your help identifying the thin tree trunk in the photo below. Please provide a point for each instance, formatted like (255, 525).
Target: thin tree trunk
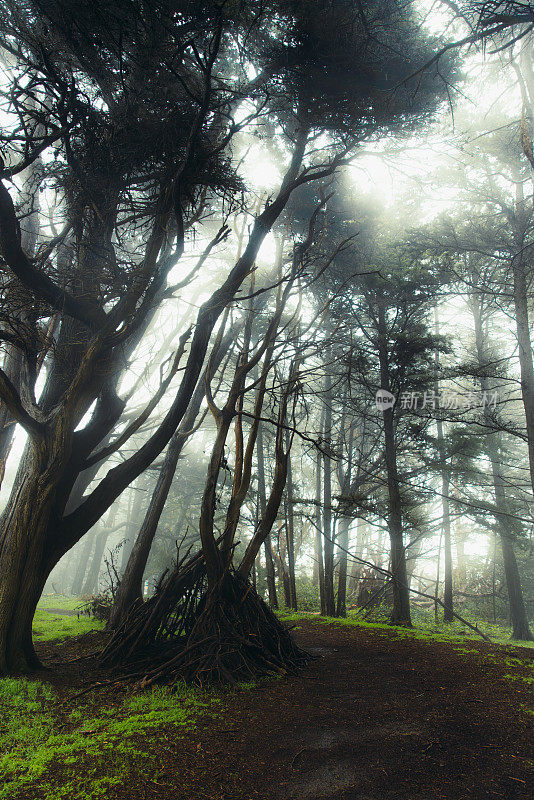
(448, 612)
(343, 536)
(90, 585)
(526, 362)
(401, 596)
(134, 513)
(319, 532)
(518, 614)
(460, 538)
(130, 587)
(329, 596)
(345, 479)
(290, 532)
(83, 560)
(262, 499)
(356, 569)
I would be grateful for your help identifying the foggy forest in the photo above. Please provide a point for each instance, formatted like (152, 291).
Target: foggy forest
(266, 399)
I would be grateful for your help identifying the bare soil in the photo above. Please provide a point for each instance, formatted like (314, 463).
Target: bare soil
(373, 717)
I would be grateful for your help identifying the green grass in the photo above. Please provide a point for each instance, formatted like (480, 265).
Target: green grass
(51, 627)
(56, 627)
(426, 630)
(51, 749)
(425, 627)
(66, 602)
(83, 752)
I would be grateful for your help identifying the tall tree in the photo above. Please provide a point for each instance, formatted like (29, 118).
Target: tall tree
(138, 106)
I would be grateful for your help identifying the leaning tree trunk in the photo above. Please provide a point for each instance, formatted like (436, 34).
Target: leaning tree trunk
(134, 514)
(130, 591)
(130, 587)
(262, 500)
(27, 559)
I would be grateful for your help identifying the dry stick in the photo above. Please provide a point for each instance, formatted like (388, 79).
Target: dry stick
(374, 596)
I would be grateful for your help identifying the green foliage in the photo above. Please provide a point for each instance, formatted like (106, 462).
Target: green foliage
(307, 593)
(97, 606)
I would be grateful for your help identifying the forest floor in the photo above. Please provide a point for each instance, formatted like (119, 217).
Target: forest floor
(378, 714)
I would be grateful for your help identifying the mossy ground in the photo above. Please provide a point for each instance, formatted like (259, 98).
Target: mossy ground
(56, 751)
(424, 627)
(55, 745)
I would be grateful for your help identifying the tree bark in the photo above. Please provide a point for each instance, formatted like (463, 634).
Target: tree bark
(262, 499)
(290, 532)
(81, 567)
(26, 562)
(329, 596)
(343, 537)
(401, 596)
(518, 614)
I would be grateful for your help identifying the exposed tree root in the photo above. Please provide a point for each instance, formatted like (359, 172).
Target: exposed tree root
(184, 631)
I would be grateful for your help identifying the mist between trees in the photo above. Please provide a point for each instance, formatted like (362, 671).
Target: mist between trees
(224, 227)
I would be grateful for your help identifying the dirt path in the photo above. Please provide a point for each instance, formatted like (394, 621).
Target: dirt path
(372, 718)
(66, 612)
